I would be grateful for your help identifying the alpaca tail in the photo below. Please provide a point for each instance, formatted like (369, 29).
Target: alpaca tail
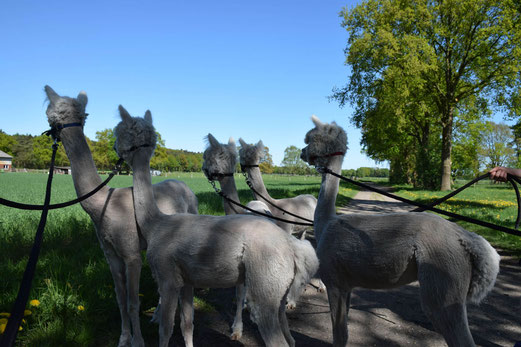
(306, 265)
(485, 266)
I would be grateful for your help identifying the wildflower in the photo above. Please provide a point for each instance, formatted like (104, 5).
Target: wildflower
(141, 295)
(81, 308)
(34, 303)
(2, 328)
(3, 321)
(27, 313)
(5, 314)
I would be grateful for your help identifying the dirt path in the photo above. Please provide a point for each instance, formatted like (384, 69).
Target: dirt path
(377, 317)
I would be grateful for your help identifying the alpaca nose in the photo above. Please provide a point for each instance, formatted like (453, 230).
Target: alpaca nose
(303, 154)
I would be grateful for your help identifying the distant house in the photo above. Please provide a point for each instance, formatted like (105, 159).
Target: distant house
(65, 170)
(6, 161)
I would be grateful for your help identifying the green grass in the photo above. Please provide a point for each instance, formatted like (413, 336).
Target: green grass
(487, 201)
(72, 271)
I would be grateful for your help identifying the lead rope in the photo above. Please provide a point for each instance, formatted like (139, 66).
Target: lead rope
(423, 206)
(17, 312)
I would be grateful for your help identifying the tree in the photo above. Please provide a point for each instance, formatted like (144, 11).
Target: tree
(266, 163)
(103, 150)
(7, 143)
(495, 149)
(423, 64)
(292, 160)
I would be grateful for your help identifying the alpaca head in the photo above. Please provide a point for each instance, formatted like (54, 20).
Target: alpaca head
(219, 158)
(134, 134)
(65, 110)
(251, 154)
(323, 141)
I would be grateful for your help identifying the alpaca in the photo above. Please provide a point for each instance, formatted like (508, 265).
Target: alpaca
(219, 161)
(303, 205)
(112, 210)
(187, 251)
(451, 264)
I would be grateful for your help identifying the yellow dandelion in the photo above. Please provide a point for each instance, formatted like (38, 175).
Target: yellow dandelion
(20, 328)
(5, 314)
(2, 328)
(34, 303)
(3, 320)
(81, 308)
(140, 294)
(24, 321)
(27, 313)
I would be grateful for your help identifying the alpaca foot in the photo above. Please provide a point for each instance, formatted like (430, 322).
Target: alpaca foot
(291, 305)
(321, 286)
(156, 315)
(236, 331)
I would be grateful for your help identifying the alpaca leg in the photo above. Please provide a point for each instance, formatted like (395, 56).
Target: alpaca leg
(169, 297)
(339, 305)
(187, 314)
(156, 317)
(266, 315)
(240, 294)
(117, 269)
(133, 272)
(443, 297)
(283, 320)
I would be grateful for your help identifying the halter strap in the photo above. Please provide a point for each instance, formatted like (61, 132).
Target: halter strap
(243, 167)
(216, 175)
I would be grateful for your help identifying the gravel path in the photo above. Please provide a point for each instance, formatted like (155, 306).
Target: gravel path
(377, 317)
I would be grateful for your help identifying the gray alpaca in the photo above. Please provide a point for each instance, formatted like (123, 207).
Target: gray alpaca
(112, 210)
(187, 251)
(451, 264)
(218, 161)
(303, 205)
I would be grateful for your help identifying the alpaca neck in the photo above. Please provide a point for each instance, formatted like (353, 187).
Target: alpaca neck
(255, 176)
(145, 206)
(326, 209)
(83, 169)
(230, 190)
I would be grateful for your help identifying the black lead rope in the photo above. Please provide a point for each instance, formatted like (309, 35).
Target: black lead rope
(260, 213)
(425, 207)
(21, 206)
(250, 184)
(17, 312)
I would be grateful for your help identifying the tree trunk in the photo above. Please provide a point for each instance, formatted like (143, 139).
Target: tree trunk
(446, 149)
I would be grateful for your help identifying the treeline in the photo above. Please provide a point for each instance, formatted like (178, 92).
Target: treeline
(34, 152)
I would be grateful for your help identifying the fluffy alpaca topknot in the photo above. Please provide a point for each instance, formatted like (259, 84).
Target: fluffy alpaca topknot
(219, 158)
(65, 110)
(133, 132)
(323, 140)
(251, 154)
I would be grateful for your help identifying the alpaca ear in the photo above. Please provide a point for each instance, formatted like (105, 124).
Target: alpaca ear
(260, 145)
(213, 141)
(51, 94)
(243, 144)
(317, 121)
(231, 141)
(82, 98)
(148, 116)
(125, 116)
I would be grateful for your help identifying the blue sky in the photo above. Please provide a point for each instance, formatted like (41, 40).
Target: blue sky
(256, 70)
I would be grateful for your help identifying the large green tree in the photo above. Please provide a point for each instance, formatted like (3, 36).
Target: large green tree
(418, 66)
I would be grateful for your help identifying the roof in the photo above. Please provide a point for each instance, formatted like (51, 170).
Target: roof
(4, 155)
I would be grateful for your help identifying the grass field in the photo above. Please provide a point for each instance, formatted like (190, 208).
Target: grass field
(72, 293)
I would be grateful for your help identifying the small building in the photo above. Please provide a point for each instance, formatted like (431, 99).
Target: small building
(65, 170)
(6, 161)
